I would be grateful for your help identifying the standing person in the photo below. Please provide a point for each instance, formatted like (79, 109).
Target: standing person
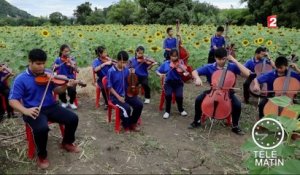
(26, 96)
(117, 84)
(169, 43)
(217, 41)
(66, 65)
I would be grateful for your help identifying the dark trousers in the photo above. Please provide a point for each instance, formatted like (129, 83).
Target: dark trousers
(39, 126)
(176, 87)
(103, 91)
(167, 55)
(128, 118)
(246, 86)
(144, 82)
(236, 107)
(4, 90)
(211, 57)
(261, 107)
(71, 93)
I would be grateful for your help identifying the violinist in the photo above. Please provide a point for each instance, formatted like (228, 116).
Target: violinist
(26, 95)
(141, 65)
(281, 64)
(118, 84)
(208, 70)
(101, 65)
(5, 73)
(261, 55)
(172, 70)
(217, 41)
(169, 43)
(66, 65)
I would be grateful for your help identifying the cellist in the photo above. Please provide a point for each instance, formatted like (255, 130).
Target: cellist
(117, 84)
(281, 64)
(261, 55)
(208, 70)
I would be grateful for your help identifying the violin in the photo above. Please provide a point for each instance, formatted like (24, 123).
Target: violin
(5, 69)
(183, 53)
(106, 59)
(184, 70)
(132, 80)
(147, 60)
(261, 68)
(59, 80)
(284, 86)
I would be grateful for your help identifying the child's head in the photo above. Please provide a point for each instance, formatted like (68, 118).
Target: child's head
(37, 60)
(101, 51)
(220, 31)
(170, 31)
(281, 64)
(220, 56)
(139, 51)
(260, 52)
(174, 55)
(122, 58)
(64, 50)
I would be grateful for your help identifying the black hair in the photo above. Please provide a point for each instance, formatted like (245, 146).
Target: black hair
(140, 48)
(261, 49)
(99, 50)
(220, 53)
(281, 61)
(174, 50)
(220, 29)
(123, 55)
(169, 29)
(62, 48)
(37, 55)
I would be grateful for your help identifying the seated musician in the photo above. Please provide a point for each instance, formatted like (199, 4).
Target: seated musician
(26, 96)
(281, 64)
(261, 53)
(208, 70)
(117, 84)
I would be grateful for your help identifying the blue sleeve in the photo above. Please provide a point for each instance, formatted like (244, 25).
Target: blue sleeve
(203, 71)
(296, 75)
(56, 61)
(95, 64)
(17, 90)
(212, 42)
(247, 64)
(162, 69)
(109, 79)
(165, 43)
(236, 69)
(263, 78)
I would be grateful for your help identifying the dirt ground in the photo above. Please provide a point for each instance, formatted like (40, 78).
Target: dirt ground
(163, 146)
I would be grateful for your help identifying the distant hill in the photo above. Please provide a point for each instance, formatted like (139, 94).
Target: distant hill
(8, 10)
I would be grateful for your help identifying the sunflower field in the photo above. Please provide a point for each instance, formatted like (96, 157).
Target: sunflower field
(15, 42)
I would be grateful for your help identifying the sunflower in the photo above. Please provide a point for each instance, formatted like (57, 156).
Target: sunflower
(189, 38)
(206, 39)
(45, 33)
(239, 32)
(158, 34)
(193, 34)
(155, 49)
(149, 40)
(197, 44)
(260, 40)
(269, 42)
(245, 43)
(2, 46)
(80, 35)
(131, 51)
(259, 28)
(134, 34)
(256, 41)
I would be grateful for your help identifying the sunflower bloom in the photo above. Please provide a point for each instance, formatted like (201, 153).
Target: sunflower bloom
(206, 39)
(197, 44)
(260, 40)
(45, 33)
(269, 42)
(245, 43)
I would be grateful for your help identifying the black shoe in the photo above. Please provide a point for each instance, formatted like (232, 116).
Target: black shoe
(1, 117)
(237, 130)
(194, 125)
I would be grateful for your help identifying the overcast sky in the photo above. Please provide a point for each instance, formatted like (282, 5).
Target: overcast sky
(66, 7)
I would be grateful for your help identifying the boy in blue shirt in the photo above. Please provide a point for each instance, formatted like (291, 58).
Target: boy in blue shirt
(261, 53)
(281, 64)
(26, 96)
(101, 68)
(117, 85)
(173, 82)
(5, 73)
(217, 41)
(170, 43)
(208, 70)
(141, 67)
(69, 69)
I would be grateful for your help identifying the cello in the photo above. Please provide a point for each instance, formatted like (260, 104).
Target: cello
(182, 52)
(284, 86)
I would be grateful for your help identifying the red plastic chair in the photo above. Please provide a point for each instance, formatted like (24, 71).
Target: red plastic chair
(30, 139)
(162, 95)
(98, 90)
(111, 107)
(228, 119)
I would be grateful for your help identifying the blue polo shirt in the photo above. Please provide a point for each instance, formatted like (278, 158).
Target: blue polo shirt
(103, 71)
(26, 90)
(270, 77)
(208, 69)
(251, 63)
(141, 69)
(118, 80)
(217, 41)
(171, 74)
(170, 43)
(64, 69)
